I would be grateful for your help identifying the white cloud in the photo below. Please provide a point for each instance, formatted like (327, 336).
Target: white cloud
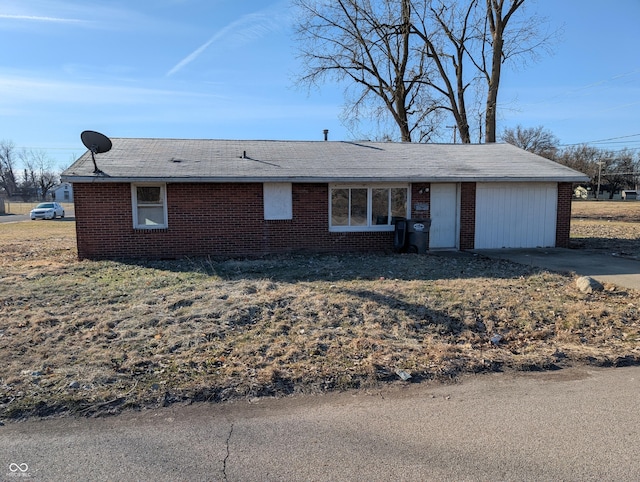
(28, 13)
(23, 89)
(36, 18)
(242, 31)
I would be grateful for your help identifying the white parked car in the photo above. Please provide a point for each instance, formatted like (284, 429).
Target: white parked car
(47, 211)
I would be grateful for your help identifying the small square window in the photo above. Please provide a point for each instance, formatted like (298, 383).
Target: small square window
(149, 206)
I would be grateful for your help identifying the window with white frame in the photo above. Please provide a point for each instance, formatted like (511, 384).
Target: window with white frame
(149, 206)
(367, 207)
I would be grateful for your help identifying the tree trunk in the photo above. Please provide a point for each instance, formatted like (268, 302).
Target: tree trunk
(402, 120)
(497, 25)
(492, 92)
(494, 14)
(401, 92)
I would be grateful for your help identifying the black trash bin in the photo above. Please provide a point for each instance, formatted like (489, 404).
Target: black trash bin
(418, 235)
(400, 235)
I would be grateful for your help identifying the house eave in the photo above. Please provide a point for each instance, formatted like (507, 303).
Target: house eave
(316, 180)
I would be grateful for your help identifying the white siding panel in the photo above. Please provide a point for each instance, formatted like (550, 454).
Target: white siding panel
(515, 215)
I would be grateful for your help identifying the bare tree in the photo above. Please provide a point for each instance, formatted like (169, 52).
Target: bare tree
(39, 172)
(609, 170)
(416, 59)
(583, 158)
(370, 45)
(533, 139)
(483, 35)
(619, 171)
(8, 180)
(446, 32)
(498, 20)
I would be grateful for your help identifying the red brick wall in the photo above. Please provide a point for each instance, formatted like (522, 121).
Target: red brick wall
(467, 215)
(420, 195)
(211, 220)
(563, 221)
(228, 220)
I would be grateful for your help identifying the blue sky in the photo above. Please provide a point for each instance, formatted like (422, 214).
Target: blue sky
(224, 69)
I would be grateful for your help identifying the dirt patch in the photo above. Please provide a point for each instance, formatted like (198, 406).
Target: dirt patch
(91, 338)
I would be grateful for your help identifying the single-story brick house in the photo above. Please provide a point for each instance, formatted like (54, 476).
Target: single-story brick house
(171, 198)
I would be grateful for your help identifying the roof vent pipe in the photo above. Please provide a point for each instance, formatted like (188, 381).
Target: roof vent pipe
(326, 134)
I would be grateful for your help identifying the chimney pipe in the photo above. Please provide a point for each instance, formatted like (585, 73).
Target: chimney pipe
(326, 134)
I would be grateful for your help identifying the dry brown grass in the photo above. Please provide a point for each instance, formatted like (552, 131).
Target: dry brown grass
(88, 337)
(626, 211)
(24, 208)
(609, 226)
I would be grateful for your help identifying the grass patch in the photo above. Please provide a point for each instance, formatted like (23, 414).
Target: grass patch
(25, 208)
(88, 338)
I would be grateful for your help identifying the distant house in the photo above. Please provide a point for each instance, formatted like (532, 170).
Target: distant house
(171, 198)
(62, 193)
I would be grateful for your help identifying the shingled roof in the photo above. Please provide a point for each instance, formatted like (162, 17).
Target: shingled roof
(201, 160)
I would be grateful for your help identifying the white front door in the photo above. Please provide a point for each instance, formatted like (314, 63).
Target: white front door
(444, 216)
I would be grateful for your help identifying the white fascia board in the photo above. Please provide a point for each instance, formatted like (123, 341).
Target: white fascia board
(318, 180)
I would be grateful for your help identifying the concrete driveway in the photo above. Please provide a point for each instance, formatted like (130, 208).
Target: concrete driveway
(603, 267)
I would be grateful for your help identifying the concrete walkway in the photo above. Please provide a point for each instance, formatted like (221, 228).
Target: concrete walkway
(620, 271)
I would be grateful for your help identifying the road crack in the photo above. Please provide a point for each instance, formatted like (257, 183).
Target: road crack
(224, 462)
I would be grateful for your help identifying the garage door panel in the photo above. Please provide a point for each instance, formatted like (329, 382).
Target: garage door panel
(515, 215)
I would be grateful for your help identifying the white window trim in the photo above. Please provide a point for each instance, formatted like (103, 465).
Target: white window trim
(368, 187)
(134, 205)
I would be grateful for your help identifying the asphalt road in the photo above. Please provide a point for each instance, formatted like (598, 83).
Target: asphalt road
(13, 218)
(574, 424)
(16, 218)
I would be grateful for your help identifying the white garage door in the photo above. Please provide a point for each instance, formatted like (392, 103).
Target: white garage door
(516, 215)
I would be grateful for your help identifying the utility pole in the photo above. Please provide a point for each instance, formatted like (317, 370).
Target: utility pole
(454, 127)
(599, 175)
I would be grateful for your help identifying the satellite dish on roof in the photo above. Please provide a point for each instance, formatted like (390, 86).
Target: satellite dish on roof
(97, 143)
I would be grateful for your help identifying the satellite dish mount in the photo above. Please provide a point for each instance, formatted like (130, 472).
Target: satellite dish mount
(97, 143)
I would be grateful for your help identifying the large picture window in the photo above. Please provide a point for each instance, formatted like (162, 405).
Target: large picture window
(367, 208)
(149, 206)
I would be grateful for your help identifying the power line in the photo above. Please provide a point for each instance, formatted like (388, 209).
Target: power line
(601, 140)
(599, 83)
(51, 148)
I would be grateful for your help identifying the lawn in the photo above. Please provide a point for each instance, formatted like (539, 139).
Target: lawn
(97, 337)
(610, 226)
(25, 208)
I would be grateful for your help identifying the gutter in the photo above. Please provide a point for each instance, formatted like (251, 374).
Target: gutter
(311, 180)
